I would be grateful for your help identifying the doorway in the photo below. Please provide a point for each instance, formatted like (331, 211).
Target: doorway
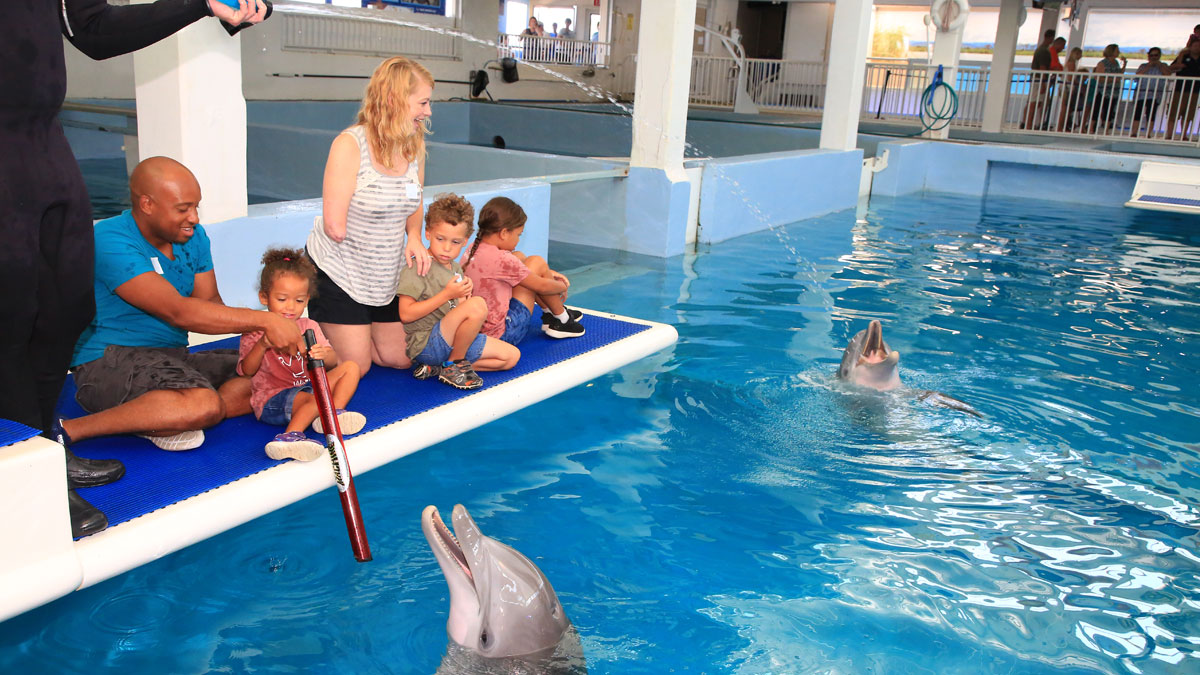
(762, 25)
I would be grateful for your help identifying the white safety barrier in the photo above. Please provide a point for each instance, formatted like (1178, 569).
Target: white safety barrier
(347, 33)
(1104, 105)
(538, 49)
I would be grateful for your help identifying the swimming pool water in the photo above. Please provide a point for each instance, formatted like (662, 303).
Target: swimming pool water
(726, 507)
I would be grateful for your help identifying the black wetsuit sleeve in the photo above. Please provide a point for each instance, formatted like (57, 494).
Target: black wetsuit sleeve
(101, 30)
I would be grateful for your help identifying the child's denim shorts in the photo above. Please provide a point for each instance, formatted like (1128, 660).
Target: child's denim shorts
(278, 409)
(437, 350)
(516, 324)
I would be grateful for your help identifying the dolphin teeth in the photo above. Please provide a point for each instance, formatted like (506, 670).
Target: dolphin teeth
(450, 544)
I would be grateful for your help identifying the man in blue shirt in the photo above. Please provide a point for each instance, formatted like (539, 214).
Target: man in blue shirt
(154, 282)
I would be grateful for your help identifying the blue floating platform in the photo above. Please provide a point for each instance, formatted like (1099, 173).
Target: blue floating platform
(234, 449)
(169, 500)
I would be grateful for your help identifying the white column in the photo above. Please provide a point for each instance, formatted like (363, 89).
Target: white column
(946, 50)
(661, 89)
(999, 82)
(1078, 25)
(1050, 22)
(849, 41)
(190, 108)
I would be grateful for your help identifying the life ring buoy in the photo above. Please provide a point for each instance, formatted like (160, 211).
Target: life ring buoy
(949, 15)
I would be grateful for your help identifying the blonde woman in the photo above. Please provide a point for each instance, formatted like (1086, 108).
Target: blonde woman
(1104, 92)
(1073, 81)
(372, 199)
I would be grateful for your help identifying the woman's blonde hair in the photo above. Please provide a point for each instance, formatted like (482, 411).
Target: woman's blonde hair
(1111, 51)
(385, 114)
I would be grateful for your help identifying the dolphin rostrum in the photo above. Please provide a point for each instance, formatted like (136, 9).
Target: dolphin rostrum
(504, 614)
(869, 362)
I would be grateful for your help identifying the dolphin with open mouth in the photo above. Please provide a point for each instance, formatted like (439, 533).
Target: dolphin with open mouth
(868, 361)
(504, 615)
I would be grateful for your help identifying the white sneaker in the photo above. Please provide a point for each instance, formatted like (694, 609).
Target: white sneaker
(294, 445)
(184, 440)
(348, 421)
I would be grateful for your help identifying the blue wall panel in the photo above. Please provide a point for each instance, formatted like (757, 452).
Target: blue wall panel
(748, 194)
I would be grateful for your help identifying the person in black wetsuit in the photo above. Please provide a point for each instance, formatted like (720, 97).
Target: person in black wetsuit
(46, 247)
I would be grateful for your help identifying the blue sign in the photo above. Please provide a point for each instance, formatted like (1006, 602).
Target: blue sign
(419, 6)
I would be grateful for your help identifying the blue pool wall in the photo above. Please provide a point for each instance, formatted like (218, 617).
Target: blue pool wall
(238, 244)
(751, 175)
(739, 195)
(986, 170)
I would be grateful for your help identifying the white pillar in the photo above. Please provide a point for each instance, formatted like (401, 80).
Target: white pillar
(1000, 81)
(661, 89)
(657, 190)
(1078, 25)
(848, 44)
(190, 108)
(1050, 22)
(946, 50)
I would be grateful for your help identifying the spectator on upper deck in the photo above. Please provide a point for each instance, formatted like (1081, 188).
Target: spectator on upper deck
(1038, 82)
(1103, 92)
(1149, 91)
(1186, 67)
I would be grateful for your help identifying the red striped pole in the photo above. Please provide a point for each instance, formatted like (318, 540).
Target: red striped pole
(337, 454)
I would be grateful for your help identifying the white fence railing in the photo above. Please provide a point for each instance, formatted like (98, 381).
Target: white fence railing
(348, 34)
(563, 51)
(1103, 105)
(893, 91)
(772, 84)
(713, 81)
(786, 85)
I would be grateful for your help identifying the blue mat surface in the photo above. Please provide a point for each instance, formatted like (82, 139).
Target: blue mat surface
(1179, 201)
(14, 432)
(234, 449)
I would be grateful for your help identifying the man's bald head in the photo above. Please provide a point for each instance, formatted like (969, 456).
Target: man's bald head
(154, 174)
(165, 200)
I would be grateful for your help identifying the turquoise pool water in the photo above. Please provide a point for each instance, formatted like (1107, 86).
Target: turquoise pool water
(726, 507)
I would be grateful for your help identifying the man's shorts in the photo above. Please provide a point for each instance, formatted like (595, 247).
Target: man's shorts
(437, 351)
(333, 305)
(516, 324)
(278, 409)
(125, 373)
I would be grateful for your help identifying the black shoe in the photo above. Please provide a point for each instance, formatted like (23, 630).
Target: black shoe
(561, 329)
(572, 315)
(83, 472)
(85, 518)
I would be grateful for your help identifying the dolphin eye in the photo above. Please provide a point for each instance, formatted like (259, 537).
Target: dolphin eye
(483, 638)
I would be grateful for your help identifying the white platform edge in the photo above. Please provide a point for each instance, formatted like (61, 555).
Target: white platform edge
(154, 535)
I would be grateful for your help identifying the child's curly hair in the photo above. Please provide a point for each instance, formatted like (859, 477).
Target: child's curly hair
(278, 261)
(451, 208)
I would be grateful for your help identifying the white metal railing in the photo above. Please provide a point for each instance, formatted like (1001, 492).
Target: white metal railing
(350, 34)
(1104, 105)
(892, 91)
(563, 51)
(771, 83)
(786, 85)
(713, 81)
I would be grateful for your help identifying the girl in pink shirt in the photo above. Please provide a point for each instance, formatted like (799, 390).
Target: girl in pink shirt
(280, 391)
(512, 283)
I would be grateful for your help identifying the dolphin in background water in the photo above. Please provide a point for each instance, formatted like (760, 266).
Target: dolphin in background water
(869, 362)
(504, 615)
